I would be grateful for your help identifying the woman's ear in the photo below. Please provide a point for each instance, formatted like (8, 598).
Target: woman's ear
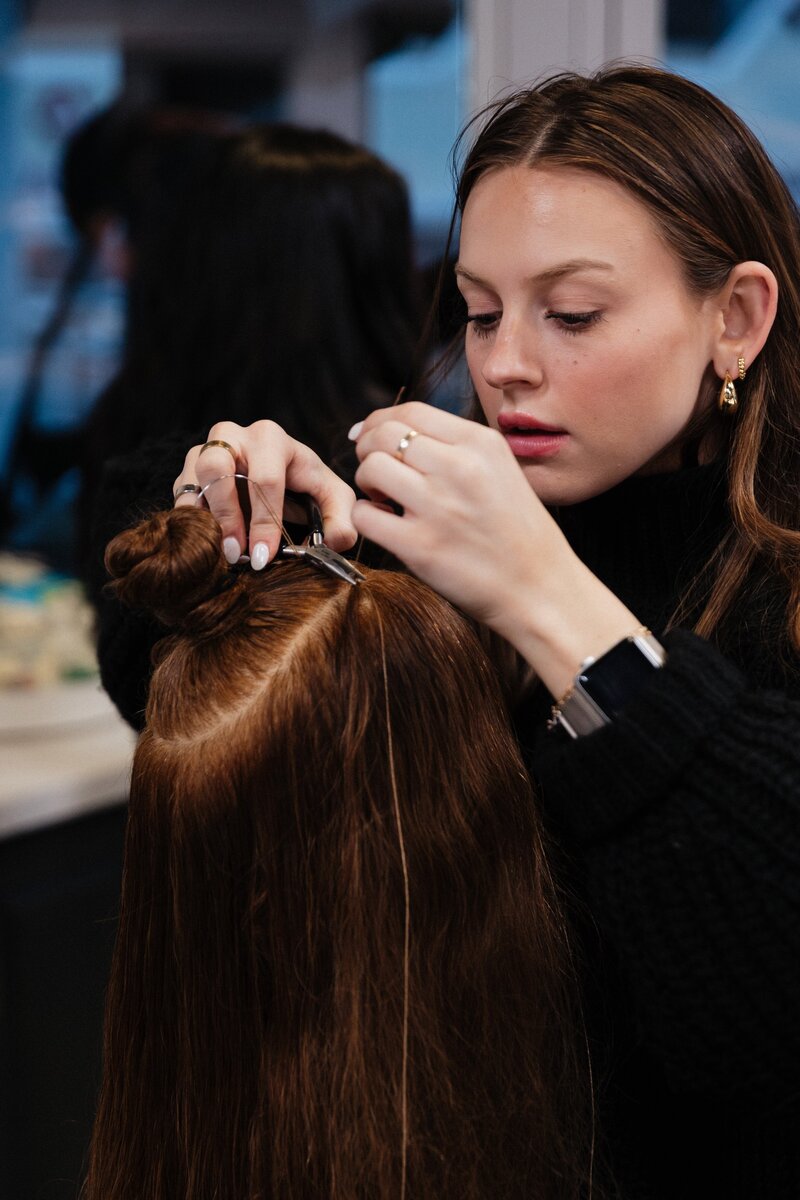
(748, 304)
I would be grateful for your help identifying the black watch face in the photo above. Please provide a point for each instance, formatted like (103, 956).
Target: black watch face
(615, 678)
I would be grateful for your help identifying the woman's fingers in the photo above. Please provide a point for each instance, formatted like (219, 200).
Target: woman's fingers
(272, 461)
(307, 473)
(456, 483)
(389, 429)
(210, 468)
(382, 475)
(386, 528)
(448, 452)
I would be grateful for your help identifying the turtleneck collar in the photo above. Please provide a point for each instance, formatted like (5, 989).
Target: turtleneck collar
(649, 536)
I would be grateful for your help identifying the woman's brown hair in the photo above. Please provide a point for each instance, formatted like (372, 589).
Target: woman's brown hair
(341, 969)
(717, 200)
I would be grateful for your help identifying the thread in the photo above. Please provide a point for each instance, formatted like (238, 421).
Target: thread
(407, 929)
(251, 483)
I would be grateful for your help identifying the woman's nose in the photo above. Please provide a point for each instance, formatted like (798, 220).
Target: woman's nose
(512, 358)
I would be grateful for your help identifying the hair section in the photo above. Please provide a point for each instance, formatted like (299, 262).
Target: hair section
(338, 924)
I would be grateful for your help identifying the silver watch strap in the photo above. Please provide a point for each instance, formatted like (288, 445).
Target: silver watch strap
(579, 713)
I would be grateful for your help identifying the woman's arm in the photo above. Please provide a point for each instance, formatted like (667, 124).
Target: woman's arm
(685, 811)
(685, 808)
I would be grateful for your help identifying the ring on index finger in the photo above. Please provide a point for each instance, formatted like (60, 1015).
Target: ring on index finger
(217, 442)
(404, 443)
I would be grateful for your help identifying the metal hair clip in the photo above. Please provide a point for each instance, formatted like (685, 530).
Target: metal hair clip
(313, 549)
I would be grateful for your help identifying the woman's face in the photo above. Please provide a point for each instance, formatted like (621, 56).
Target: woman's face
(587, 349)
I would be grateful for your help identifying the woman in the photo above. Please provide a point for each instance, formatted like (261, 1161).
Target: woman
(628, 259)
(340, 968)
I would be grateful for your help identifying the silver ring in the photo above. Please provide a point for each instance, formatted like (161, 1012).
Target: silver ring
(404, 443)
(187, 487)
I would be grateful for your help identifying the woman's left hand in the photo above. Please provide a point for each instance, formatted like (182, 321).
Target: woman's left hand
(473, 529)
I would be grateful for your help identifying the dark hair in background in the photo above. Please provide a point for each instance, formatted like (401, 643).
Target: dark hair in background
(107, 161)
(109, 168)
(278, 283)
(314, 754)
(717, 201)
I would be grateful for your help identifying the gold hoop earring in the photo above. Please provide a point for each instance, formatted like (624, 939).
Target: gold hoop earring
(742, 369)
(728, 401)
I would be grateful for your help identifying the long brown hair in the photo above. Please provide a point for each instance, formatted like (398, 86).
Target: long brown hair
(717, 200)
(341, 969)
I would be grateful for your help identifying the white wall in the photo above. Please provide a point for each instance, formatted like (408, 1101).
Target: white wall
(513, 41)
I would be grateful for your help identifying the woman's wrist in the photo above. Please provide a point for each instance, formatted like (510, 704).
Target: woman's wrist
(605, 686)
(558, 628)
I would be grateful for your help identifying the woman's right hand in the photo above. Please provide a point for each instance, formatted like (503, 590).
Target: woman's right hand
(269, 457)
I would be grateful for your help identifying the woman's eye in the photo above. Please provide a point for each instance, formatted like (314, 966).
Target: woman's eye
(484, 323)
(575, 322)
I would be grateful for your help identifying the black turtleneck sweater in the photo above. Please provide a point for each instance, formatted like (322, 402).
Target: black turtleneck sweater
(681, 823)
(678, 828)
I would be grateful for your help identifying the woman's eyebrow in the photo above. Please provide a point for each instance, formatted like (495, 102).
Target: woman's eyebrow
(552, 273)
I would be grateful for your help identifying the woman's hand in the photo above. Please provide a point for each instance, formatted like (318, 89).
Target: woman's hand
(474, 530)
(273, 460)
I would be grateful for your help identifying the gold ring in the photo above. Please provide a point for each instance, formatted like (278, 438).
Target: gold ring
(187, 487)
(216, 442)
(404, 443)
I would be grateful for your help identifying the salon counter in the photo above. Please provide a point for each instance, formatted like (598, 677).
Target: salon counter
(65, 753)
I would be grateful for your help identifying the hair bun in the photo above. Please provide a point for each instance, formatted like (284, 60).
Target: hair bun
(171, 564)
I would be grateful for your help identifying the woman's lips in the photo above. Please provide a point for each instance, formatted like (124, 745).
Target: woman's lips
(529, 438)
(540, 445)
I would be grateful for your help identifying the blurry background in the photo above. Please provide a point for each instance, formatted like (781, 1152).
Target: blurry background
(401, 76)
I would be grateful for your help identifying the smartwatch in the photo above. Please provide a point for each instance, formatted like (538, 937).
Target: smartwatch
(605, 685)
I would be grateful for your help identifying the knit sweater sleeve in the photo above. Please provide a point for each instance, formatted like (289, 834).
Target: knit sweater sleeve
(686, 814)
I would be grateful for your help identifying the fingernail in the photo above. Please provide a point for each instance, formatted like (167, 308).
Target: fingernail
(259, 556)
(232, 550)
(355, 431)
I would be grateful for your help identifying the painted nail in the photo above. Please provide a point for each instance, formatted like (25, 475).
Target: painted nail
(232, 550)
(355, 431)
(259, 556)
